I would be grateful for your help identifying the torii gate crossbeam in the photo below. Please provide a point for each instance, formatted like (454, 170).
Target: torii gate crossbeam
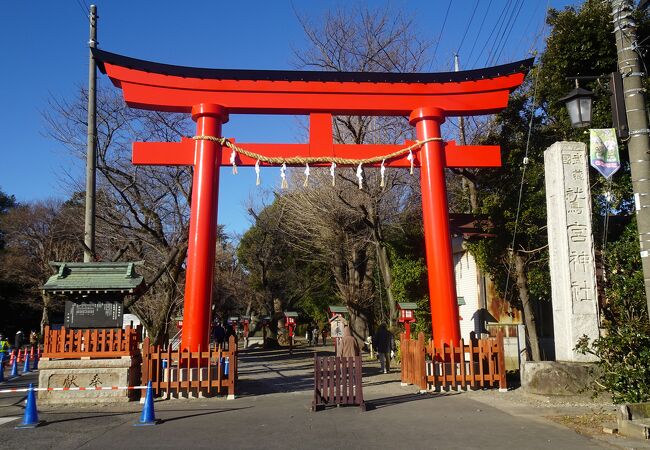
(210, 95)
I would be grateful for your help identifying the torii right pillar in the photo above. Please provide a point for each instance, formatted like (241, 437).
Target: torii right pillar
(435, 217)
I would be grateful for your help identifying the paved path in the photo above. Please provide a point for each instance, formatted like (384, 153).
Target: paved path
(273, 411)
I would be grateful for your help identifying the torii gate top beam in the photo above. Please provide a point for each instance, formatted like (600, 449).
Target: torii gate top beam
(162, 87)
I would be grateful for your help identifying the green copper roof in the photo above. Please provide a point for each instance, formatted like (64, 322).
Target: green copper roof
(94, 277)
(290, 314)
(334, 309)
(407, 305)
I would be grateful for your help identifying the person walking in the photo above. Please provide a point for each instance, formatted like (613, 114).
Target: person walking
(219, 334)
(19, 340)
(4, 350)
(33, 340)
(348, 345)
(324, 335)
(315, 332)
(384, 343)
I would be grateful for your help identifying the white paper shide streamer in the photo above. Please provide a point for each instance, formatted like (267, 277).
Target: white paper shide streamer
(233, 161)
(360, 176)
(382, 171)
(283, 175)
(411, 158)
(306, 175)
(257, 173)
(332, 174)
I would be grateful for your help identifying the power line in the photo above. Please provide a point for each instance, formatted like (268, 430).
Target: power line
(467, 27)
(85, 10)
(501, 34)
(442, 29)
(534, 37)
(501, 23)
(480, 28)
(491, 33)
(525, 162)
(509, 32)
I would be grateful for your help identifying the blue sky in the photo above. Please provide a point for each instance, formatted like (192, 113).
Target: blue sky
(44, 50)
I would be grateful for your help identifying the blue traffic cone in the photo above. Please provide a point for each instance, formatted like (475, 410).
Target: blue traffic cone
(14, 368)
(35, 365)
(2, 371)
(148, 416)
(30, 419)
(26, 364)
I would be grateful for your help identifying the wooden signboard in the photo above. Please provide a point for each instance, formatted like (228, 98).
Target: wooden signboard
(337, 323)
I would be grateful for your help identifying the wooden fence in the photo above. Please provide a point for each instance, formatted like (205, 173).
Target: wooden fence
(175, 372)
(337, 381)
(477, 364)
(99, 343)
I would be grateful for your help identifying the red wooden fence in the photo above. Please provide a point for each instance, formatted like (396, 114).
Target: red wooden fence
(183, 372)
(479, 363)
(337, 381)
(100, 343)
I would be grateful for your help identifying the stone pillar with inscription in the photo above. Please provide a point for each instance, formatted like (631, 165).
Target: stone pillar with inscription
(571, 249)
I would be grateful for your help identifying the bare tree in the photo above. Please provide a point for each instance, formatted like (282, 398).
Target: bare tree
(366, 41)
(142, 211)
(36, 234)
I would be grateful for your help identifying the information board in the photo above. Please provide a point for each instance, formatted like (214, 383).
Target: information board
(336, 326)
(94, 314)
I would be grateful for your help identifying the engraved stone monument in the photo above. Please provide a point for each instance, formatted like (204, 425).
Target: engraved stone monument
(571, 249)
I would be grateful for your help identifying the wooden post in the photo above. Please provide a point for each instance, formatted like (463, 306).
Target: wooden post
(420, 363)
(452, 363)
(144, 365)
(403, 351)
(501, 360)
(232, 368)
(462, 364)
(490, 346)
(472, 367)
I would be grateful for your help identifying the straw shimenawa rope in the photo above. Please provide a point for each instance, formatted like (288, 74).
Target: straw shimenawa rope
(303, 160)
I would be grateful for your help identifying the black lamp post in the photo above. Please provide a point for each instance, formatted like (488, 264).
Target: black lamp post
(578, 103)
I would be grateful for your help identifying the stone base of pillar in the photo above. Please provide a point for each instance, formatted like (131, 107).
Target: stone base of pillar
(556, 378)
(58, 373)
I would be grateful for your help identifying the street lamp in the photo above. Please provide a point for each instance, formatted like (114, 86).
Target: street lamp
(578, 103)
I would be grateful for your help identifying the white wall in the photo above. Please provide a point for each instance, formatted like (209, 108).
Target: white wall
(467, 286)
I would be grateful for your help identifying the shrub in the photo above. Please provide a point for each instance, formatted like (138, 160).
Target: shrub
(624, 348)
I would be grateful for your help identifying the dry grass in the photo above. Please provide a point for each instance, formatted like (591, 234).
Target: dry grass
(587, 424)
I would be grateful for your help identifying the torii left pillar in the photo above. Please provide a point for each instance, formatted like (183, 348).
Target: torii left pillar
(203, 228)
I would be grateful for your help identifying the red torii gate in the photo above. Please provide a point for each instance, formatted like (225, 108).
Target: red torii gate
(210, 95)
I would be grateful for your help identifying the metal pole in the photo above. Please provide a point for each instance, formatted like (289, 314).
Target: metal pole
(634, 94)
(91, 144)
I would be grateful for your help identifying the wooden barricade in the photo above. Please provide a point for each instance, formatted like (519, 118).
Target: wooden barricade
(337, 381)
(211, 371)
(479, 363)
(413, 361)
(99, 343)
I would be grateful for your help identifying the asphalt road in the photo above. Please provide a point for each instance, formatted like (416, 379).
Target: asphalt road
(273, 411)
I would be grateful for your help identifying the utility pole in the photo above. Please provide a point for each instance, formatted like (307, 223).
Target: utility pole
(461, 119)
(635, 107)
(91, 144)
(469, 187)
